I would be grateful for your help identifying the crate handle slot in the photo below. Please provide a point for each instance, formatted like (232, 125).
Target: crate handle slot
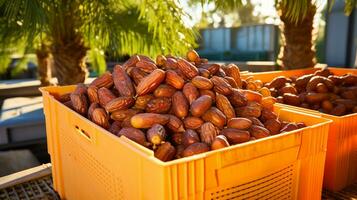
(83, 133)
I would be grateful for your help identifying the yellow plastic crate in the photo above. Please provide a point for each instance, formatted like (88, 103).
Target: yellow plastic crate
(341, 157)
(91, 163)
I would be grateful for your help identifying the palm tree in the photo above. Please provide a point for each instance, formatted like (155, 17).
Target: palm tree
(298, 39)
(298, 42)
(73, 27)
(44, 59)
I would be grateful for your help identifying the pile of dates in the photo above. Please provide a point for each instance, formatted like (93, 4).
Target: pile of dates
(177, 107)
(322, 91)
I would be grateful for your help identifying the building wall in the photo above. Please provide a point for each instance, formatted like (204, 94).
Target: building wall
(341, 37)
(257, 42)
(217, 39)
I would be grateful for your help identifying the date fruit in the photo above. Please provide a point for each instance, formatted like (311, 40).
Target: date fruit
(115, 127)
(225, 106)
(158, 105)
(195, 148)
(105, 80)
(201, 82)
(92, 92)
(165, 152)
(237, 98)
(164, 91)
(120, 115)
(219, 142)
(208, 133)
(192, 122)
(105, 96)
(133, 134)
(273, 125)
(156, 134)
(100, 117)
(190, 137)
(215, 116)
(119, 103)
(200, 105)
(235, 136)
(173, 79)
(175, 124)
(123, 82)
(259, 131)
(191, 92)
(233, 71)
(150, 82)
(179, 104)
(187, 68)
(221, 85)
(239, 123)
(147, 120)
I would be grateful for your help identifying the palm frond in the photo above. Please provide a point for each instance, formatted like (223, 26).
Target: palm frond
(97, 60)
(9, 46)
(125, 26)
(294, 11)
(165, 21)
(23, 18)
(226, 5)
(5, 60)
(129, 30)
(350, 5)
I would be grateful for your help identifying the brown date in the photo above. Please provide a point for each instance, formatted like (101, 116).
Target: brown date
(134, 134)
(165, 152)
(201, 105)
(147, 120)
(215, 116)
(219, 142)
(225, 106)
(192, 122)
(173, 79)
(208, 133)
(201, 82)
(239, 123)
(190, 137)
(179, 104)
(195, 148)
(191, 92)
(150, 82)
(235, 136)
(259, 132)
(105, 96)
(122, 82)
(156, 134)
(158, 105)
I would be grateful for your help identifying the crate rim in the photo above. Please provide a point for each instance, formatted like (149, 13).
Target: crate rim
(316, 112)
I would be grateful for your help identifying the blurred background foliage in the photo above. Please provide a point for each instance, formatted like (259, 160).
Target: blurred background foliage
(71, 27)
(76, 32)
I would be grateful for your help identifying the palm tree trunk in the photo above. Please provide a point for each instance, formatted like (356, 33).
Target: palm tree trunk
(44, 65)
(69, 61)
(298, 47)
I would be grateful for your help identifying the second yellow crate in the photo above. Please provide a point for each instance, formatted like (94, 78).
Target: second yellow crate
(341, 157)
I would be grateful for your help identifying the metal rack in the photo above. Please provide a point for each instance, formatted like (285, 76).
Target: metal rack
(31, 184)
(349, 192)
